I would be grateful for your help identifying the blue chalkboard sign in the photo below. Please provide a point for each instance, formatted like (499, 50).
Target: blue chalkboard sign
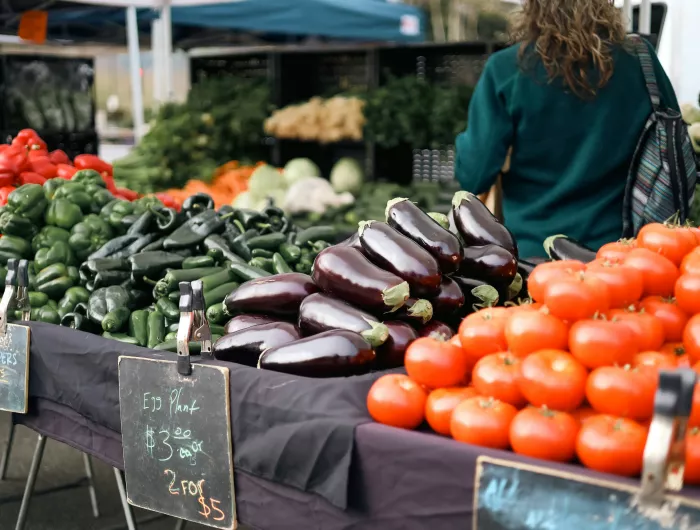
(513, 496)
(14, 368)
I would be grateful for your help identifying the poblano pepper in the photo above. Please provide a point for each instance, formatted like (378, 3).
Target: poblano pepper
(196, 204)
(152, 265)
(28, 200)
(75, 193)
(104, 300)
(59, 252)
(48, 235)
(89, 235)
(194, 230)
(89, 269)
(63, 213)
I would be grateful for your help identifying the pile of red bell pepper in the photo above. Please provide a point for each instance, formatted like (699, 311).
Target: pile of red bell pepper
(27, 160)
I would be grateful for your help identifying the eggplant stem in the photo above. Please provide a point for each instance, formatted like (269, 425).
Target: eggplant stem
(362, 225)
(396, 296)
(487, 294)
(377, 335)
(440, 219)
(548, 244)
(422, 309)
(515, 286)
(461, 196)
(390, 204)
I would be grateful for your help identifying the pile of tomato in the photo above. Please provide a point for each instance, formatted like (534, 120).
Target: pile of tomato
(570, 374)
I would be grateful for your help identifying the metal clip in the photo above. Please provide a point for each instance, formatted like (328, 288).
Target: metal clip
(15, 295)
(193, 325)
(664, 453)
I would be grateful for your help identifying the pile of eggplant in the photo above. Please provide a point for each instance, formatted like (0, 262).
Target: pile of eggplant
(367, 298)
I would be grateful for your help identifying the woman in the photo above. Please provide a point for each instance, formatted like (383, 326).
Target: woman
(571, 101)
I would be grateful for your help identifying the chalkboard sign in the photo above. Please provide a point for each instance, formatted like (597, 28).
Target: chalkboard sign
(512, 496)
(176, 436)
(14, 368)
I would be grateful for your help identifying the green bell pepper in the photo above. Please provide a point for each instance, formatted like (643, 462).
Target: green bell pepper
(89, 235)
(16, 245)
(51, 186)
(75, 193)
(47, 314)
(63, 213)
(100, 198)
(54, 281)
(16, 225)
(146, 203)
(37, 299)
(73, 297)
(104, 300)
(59, 252)
(28, 200)
(117, 212)
(48, 235)
(88, 177)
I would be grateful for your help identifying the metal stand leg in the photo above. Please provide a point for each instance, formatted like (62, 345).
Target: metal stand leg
(87, 460)
(31, 479)
(6, 453)
(128, 512)
(180, 524)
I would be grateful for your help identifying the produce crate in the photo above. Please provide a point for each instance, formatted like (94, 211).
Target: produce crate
(252, 66)
(48, 94)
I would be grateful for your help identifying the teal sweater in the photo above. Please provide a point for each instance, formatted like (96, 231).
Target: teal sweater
(570, 156)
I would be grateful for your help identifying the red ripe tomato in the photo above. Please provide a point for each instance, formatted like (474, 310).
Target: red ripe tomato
(691, 474)
(687, 292)
(482, 421)
(483, 332)
(396, 400)
(441, 403)
(496, 376)
(669, 241)
(544, 272)
(576, 296)
(612, 445)
(655, 360)
(691, 338)
(648, 330)
(677, 351)
(625, 284)
(667, 311)
(435, 363)
(523, 306)
(691, 263)
(622, 391)
(617, 250)
(544, 433)
(659, 273)
(529, 331)
(553, 379)
(602, 343)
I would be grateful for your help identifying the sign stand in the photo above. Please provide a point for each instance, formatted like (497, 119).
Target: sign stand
(510, 495)
(176, 427)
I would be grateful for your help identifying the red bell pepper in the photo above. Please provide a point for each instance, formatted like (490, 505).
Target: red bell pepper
(4, 192)
(93, 162)
(66, 172)
(127, 194)
(43, 166)
(28, 139)
(109, 183)
(59, 157)
(13, 161)
(29, 177)
(168, 200)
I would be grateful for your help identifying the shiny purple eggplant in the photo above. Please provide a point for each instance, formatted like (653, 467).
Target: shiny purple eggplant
(246, 345)
(449, 299)
(391, 353)
(478, 226)
(413, 222)
(345, 273)
(281, 294)
(320, 312)
(436, 329)
(240, 322)
(491, 263)
(353, 241)
(336, 353)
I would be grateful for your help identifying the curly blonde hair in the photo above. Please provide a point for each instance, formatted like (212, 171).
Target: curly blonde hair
(572, 38)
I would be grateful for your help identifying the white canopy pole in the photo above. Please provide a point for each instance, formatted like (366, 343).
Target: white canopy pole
(167, 51)
(645, 18)
(627, 14)
(156, 54)
(135, 71)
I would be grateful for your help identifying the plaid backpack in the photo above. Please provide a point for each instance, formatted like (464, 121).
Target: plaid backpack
(661, 180)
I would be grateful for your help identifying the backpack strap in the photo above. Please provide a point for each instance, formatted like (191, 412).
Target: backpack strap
(645, 59)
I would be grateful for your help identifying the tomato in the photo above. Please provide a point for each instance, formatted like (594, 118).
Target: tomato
(496, 376)
(482, 421)
(435, 363)
(529, 331)
(659, 273)
(544, 433)
(544, 272)
(691, 263)
(612, 445)
(441, 403)
(483, 332)
(554, 379)
(617, 250)
(668, 312)
(624, 284)
(677, 351)
(622, 391)
(692, 457)
(669, 241)
(691, 338)
(576, 296)
(694, 419)
(655, 360)
(397, 400)
(602, 343)
(648, 330)
(687, 292)
(523, 306)
(583, 414)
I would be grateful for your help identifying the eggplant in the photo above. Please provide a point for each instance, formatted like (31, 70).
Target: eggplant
(561, 247)
(244, 321)
(449, 299)
(478, 294)
(353, 241)
(347, 274)
(478, 226)
(436, 329)
(245, 345)
(280, 295)
(491, 263)
(413, 222)
(335, 353)
(391, 353)
(394, 252)
(320, 312)
(420, 311)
